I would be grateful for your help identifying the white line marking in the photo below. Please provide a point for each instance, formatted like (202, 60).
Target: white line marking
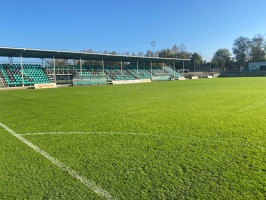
(110, 133)
(104, 133)
(90, 184)
(254, 106)
(148, 134)
(93, 132)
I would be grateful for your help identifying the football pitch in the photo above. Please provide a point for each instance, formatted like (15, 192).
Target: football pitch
(194, 139)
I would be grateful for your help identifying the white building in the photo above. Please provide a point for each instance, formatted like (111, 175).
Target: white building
(257, 66)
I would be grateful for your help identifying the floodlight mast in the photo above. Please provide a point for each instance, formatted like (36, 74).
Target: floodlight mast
(153, 43)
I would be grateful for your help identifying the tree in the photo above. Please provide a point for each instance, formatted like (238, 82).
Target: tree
(59, 62)
(183, 54)
(257, 46)
(221, 57)
(149, 53)
(87, 50)
(140, 53)
(175, 48)
(182, 47)
(167, 53)
(196, 59)
(113, 52)
(241, 49)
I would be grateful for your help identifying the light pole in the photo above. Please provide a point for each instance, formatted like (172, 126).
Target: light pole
(153, 45)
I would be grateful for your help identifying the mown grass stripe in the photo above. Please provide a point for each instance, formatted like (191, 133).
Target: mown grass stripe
(90, 184)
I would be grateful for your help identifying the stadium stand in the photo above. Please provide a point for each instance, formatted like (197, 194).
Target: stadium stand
(140, 73)
(132, 74)
(115, 73)
(144, 74)
(158, 74)
(1, 82)
(172, 72)
(10, 75)
(17, 75)
(32, 74)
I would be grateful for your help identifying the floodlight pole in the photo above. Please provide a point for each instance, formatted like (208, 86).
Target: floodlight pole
(22, 71)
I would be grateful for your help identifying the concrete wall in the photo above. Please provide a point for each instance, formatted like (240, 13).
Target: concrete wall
(256, 66)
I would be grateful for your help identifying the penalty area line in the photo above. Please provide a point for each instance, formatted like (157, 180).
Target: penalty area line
(227, 142)
(88, 183)
(104, 133)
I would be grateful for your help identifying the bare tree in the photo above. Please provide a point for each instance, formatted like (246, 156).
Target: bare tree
(182, 47)
(140, 53)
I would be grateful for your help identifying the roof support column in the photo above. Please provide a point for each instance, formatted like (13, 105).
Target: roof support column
(54, 69)
(10, 61)
(137, 69)
(183, 68)
(80, 66)
(103, 64)
(174, 69)
(151, 68)
(22, 71)
(122, 70)
(65, 71)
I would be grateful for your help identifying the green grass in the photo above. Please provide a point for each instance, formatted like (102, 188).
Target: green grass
(200, 139)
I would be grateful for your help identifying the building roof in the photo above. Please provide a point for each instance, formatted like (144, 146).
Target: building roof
(49, 54)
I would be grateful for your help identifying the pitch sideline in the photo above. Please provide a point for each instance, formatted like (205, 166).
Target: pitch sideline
(89, 184)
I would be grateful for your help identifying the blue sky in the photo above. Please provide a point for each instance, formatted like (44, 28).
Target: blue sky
(129, 25)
